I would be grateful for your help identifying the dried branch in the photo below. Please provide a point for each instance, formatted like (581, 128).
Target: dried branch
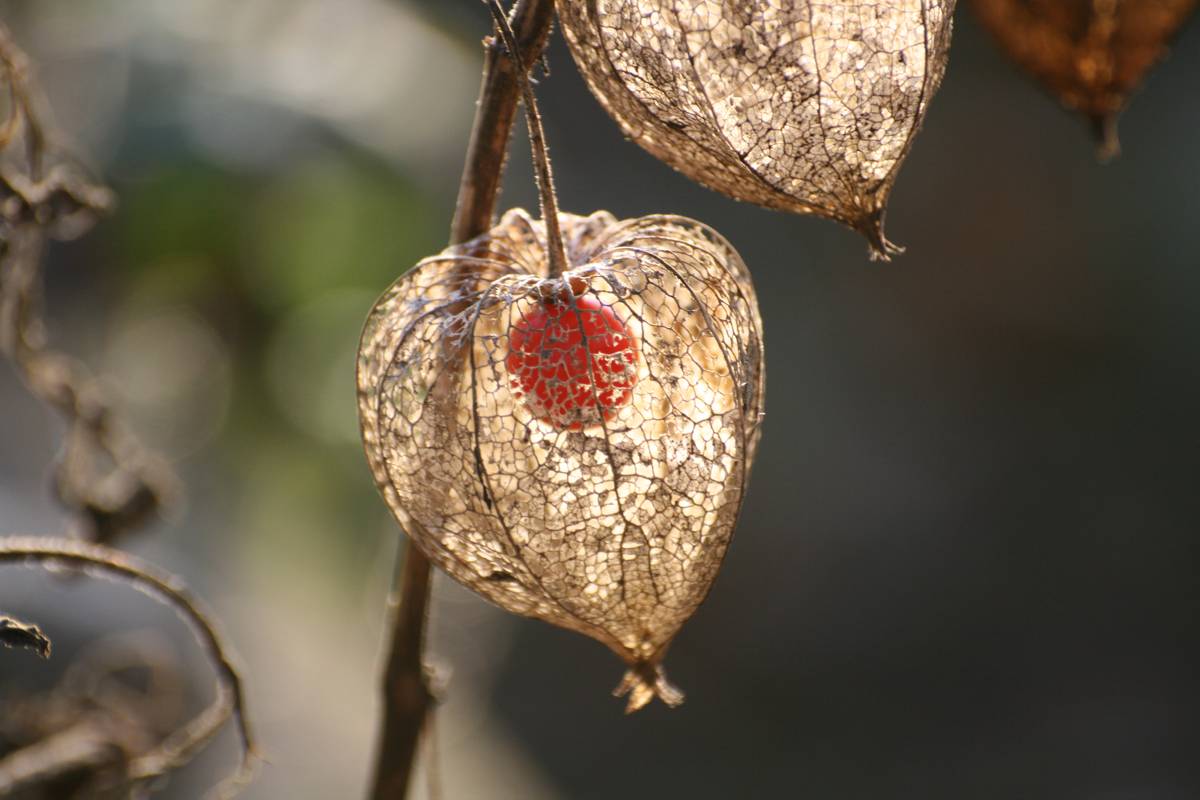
(67, 757)
(78, 738)
(495, 111)
(22, 635)
(168, 589)
(537, 142)
(104, 474)
(407, 698)
(406, 694)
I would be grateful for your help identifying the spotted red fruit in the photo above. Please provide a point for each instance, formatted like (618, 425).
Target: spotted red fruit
(572, 361)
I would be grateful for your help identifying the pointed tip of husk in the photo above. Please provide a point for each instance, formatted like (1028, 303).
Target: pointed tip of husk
(1104, 131)
(871, 227)
(645, 681)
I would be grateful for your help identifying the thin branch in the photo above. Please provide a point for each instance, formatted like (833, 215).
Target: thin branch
(406, 694)
(104, 474)
(41, 198)
(168, 589)
(16, 66)
(537, 143)
(86, 731)
(83, 748)
(24, 636)
(494, 114)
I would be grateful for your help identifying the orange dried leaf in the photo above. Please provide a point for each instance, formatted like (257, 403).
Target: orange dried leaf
(1090, 54)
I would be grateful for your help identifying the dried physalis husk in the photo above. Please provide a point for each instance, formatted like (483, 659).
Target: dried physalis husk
(1091, 54)
(573, 448)
(802, 106)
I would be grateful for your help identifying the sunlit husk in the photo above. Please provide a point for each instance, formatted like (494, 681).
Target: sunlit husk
(802, 106)
(616, 531)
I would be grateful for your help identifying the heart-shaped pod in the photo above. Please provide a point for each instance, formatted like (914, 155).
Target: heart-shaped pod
(605, 509)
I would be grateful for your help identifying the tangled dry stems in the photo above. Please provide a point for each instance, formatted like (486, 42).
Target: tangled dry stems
(112, 483)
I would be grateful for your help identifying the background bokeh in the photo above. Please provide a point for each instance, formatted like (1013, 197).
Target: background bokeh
(966, 567)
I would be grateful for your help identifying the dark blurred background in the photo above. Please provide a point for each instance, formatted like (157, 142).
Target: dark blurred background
(966, 567)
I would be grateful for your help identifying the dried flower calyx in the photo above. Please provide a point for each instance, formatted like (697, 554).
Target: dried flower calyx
(1090, 54)
(801, 106)
(572, 447)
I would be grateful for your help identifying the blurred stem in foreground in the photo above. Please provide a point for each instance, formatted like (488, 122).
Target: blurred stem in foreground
(22, 635)
(24, 768)
(406, 694)
(104, 475)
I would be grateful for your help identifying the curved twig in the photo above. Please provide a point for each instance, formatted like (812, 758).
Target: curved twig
(104, 474)
(24, 636)
(177, 749)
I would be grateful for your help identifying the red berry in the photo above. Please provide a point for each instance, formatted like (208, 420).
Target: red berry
(572, 361)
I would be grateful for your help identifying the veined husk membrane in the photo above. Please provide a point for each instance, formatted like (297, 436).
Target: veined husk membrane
(797, 105)
(612, 522)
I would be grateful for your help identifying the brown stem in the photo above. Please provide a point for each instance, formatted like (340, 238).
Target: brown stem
(537, 143)
(180, 746)
(84, 748)
(14, 63)
(406, 693)
(103, 473)
(484, 166)
(24, 636)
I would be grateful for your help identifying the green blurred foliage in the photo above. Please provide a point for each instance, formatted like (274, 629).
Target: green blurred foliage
(284, 268)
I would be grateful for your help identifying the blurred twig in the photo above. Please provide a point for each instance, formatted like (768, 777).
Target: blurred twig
(179, 747)
(494, 114)
(406, 693)
(14, 633)
(103, 474)
(78, 739)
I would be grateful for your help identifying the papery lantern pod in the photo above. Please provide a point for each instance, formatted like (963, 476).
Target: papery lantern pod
(801, 106)
(606, 512)
(1090, 54)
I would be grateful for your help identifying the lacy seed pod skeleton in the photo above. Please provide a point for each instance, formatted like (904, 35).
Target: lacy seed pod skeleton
(563, 414)
(801, 106)
(608, 510)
